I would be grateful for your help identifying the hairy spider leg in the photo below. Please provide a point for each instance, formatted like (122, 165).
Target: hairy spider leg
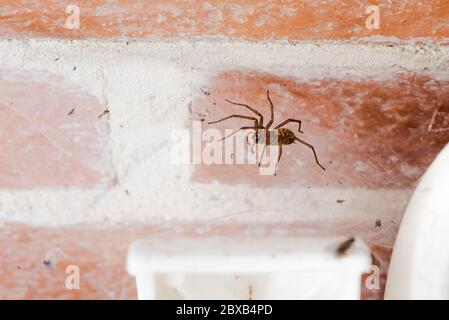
(279, 158)
(261, 155)
(288, 121)
(272, 111)
(235, 116)
(242, 128)
(313, 149)
(260, 125)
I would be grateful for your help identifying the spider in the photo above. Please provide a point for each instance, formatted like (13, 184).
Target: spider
(264, 135)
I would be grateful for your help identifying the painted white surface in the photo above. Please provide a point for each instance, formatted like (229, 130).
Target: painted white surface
(247, 268)
(419, 267)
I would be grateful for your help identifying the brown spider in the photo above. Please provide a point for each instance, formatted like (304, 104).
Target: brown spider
(264, 136)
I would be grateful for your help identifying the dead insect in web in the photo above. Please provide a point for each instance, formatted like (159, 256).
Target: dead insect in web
(265, 136)
(344, 247)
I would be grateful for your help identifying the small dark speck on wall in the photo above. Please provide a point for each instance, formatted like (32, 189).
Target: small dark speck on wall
(378, 223)
(46, 263)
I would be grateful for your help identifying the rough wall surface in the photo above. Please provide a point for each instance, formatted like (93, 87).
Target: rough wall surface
(406, 20)
(34, 261)
(369, 119)
(89, 117)
(43, 143)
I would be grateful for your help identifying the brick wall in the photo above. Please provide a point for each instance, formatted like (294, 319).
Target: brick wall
(89, 110)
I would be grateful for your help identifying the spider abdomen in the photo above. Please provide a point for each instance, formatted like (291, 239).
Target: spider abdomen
(279, 136)
(285, 136)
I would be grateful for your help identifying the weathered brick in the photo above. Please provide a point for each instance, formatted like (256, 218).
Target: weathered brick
(33, 261)
(261, 20)
(50, 133)
(366, 132)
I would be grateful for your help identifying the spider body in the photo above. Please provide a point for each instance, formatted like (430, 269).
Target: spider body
(265, 136)
(274, 137)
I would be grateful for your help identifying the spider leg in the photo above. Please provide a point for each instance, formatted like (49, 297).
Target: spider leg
(272, 111)
(242, 128)
(279, 158)
(261, 156)
(288, 121)
(313, 149)
(234, 116)
(249, 108)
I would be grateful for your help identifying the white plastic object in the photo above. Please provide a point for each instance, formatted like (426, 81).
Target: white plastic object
(247, 268)
(419, 267)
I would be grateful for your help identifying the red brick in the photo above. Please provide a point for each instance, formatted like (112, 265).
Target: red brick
(261, 20)
(366, 132)
(41, 144)
(100, 255)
